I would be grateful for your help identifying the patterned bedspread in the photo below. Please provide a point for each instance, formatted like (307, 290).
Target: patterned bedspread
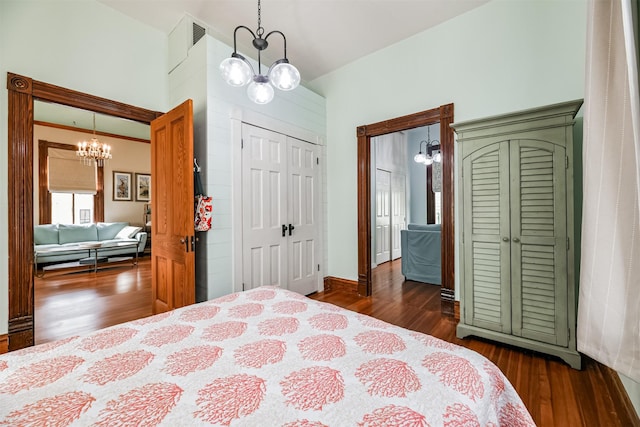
(264, 357)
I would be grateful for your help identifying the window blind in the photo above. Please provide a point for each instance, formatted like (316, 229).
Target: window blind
(68, 175)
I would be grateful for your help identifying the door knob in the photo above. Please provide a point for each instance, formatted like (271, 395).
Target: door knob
(505, 239)
(516, 240)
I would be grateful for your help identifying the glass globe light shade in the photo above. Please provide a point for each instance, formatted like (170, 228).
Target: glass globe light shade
(437, 157)
(419, 158)
(428, 160)
(235, 71)
(284, 76)
(260, 92)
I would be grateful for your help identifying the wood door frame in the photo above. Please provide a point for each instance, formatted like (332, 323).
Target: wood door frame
(22, 91)
(444, 116)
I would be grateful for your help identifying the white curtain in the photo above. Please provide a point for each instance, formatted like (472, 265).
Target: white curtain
(609, 298)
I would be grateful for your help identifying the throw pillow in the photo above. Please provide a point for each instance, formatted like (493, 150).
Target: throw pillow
(128, 232)
(74, 233)
(108, 230)
(45, 234)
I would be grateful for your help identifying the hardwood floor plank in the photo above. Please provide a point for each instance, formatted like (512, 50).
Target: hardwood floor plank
(554, 393)
(69, 303)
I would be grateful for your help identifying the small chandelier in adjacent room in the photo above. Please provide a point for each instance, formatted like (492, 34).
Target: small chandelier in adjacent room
(429, 157)
(237, 71)
(93, 151)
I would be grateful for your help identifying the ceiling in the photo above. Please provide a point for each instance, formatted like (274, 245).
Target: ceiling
(322, 35)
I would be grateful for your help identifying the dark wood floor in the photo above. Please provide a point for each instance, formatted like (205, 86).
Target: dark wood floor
(71, 302)
(555, 394)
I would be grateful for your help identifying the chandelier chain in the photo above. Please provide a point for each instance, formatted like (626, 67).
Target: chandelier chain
(260, 30)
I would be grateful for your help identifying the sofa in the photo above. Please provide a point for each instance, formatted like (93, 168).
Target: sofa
(420, 246)
(61, 236)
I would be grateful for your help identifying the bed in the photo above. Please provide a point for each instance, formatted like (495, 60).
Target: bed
(264, 357)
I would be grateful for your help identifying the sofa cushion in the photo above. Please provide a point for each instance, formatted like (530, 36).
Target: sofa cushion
(45, 234)
(69, 233)
(108, 230)
(425, 227)
(128, 232)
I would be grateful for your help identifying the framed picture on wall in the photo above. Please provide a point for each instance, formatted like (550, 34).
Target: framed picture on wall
(85, 216)
(121, 186)
(143, 187)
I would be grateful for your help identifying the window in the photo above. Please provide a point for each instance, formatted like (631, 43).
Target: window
(66, 197)
(71, 208)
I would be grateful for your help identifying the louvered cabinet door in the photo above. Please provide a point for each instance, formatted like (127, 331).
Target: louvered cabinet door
(538, 241)
(486, 225)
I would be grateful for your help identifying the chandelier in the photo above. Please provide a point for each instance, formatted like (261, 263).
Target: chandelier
(93, 151)
(237, 71)
(430, 157)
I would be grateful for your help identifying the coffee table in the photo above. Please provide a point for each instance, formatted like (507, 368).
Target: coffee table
(95, 252)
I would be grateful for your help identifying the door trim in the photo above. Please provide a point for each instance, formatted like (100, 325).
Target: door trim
(22, 91)
(443, 115)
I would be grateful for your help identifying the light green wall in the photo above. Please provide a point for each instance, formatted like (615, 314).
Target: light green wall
(500, 57)
(81, 45)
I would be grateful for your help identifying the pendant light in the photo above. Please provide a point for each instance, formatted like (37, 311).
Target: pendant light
(237, 71)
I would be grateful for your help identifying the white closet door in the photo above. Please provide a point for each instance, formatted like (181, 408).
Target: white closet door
(281, 211)
(398, 212)
(264, 207)
(303, 173)
(383, 216)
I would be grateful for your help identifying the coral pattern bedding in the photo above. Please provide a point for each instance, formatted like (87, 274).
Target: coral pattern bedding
(264, 357)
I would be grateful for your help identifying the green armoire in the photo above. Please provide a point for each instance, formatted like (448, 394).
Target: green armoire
(517, 279)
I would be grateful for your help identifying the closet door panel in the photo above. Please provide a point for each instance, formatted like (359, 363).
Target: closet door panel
(383, 216)
(486, 225)
(263, 182)
(398, 212)
(303, 200)
(539, 241)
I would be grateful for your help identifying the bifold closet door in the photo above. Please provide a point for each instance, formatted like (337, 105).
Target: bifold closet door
(303, 208)
(383, 216)
(398, 212)
(264, 207)
(280, 211)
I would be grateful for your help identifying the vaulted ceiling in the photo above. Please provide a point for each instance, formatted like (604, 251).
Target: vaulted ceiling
(322, 35)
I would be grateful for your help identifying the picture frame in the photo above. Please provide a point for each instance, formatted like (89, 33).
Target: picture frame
(122, 186)
(84, 216)
(143, 187)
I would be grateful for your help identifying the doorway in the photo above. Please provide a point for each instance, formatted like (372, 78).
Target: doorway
(444, 116)
(22, 91)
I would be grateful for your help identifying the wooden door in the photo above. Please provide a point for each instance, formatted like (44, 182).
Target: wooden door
(172, 230)
(303, 215)
(264, 203)
(383, 216)
(539, 241)
(486, 238)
